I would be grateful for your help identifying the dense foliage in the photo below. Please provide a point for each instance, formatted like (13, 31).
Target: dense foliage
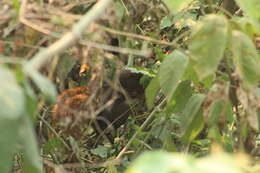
(200, 66)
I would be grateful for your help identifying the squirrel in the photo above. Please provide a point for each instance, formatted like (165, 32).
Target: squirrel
(72, 106)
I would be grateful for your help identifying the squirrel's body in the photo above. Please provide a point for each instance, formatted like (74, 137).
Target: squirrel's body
(74, 107)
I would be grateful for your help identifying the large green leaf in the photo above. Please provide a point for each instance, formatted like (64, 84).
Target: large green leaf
(32, 161)
(208, 42)
(12, 100)
(177, 5)
(12, 105)
(191, 118)
(250, 7)
(8, 142)
(160, 161)
(171, 71)
(245, 58)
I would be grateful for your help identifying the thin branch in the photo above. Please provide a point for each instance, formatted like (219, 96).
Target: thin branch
(141, 37)
(122, 50)
(141, 128)
(68, 39)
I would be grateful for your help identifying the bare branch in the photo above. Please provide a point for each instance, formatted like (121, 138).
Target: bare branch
(68, 39)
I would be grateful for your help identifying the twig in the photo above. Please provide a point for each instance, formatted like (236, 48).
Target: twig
(24, 21)
(68, 39)
(141, 128)
(54, 132)
(92, 44)
(149, 39)
(122, 50)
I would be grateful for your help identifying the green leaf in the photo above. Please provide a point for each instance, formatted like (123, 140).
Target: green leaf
(190, 74)
(32, 161)
(177, 5)
(208, 42)
(52, 144)
(151, 91)
(245, 58)
(221, 162)
(112, 169)
(171, 71)
(30, 97)
(165, 22)
(191, 118)
(8, 142)
(31, 101)
(251, 8)
(141, 70)
(100, 151)
(12, 101)
(182, 95)
(246, 25)
(17, 5)
(152, 162)
(44, 84)
(218, 162)
(215, 111)
(194, 128)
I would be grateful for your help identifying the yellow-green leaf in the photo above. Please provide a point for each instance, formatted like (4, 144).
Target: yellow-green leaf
(250, 7)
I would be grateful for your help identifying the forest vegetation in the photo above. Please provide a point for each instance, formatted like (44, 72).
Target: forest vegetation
(130, 86)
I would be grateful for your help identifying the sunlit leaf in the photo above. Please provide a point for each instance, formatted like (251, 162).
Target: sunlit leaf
(208, 42)
(171, 71)
(218, 162)
(222, 162)
(152, 162)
